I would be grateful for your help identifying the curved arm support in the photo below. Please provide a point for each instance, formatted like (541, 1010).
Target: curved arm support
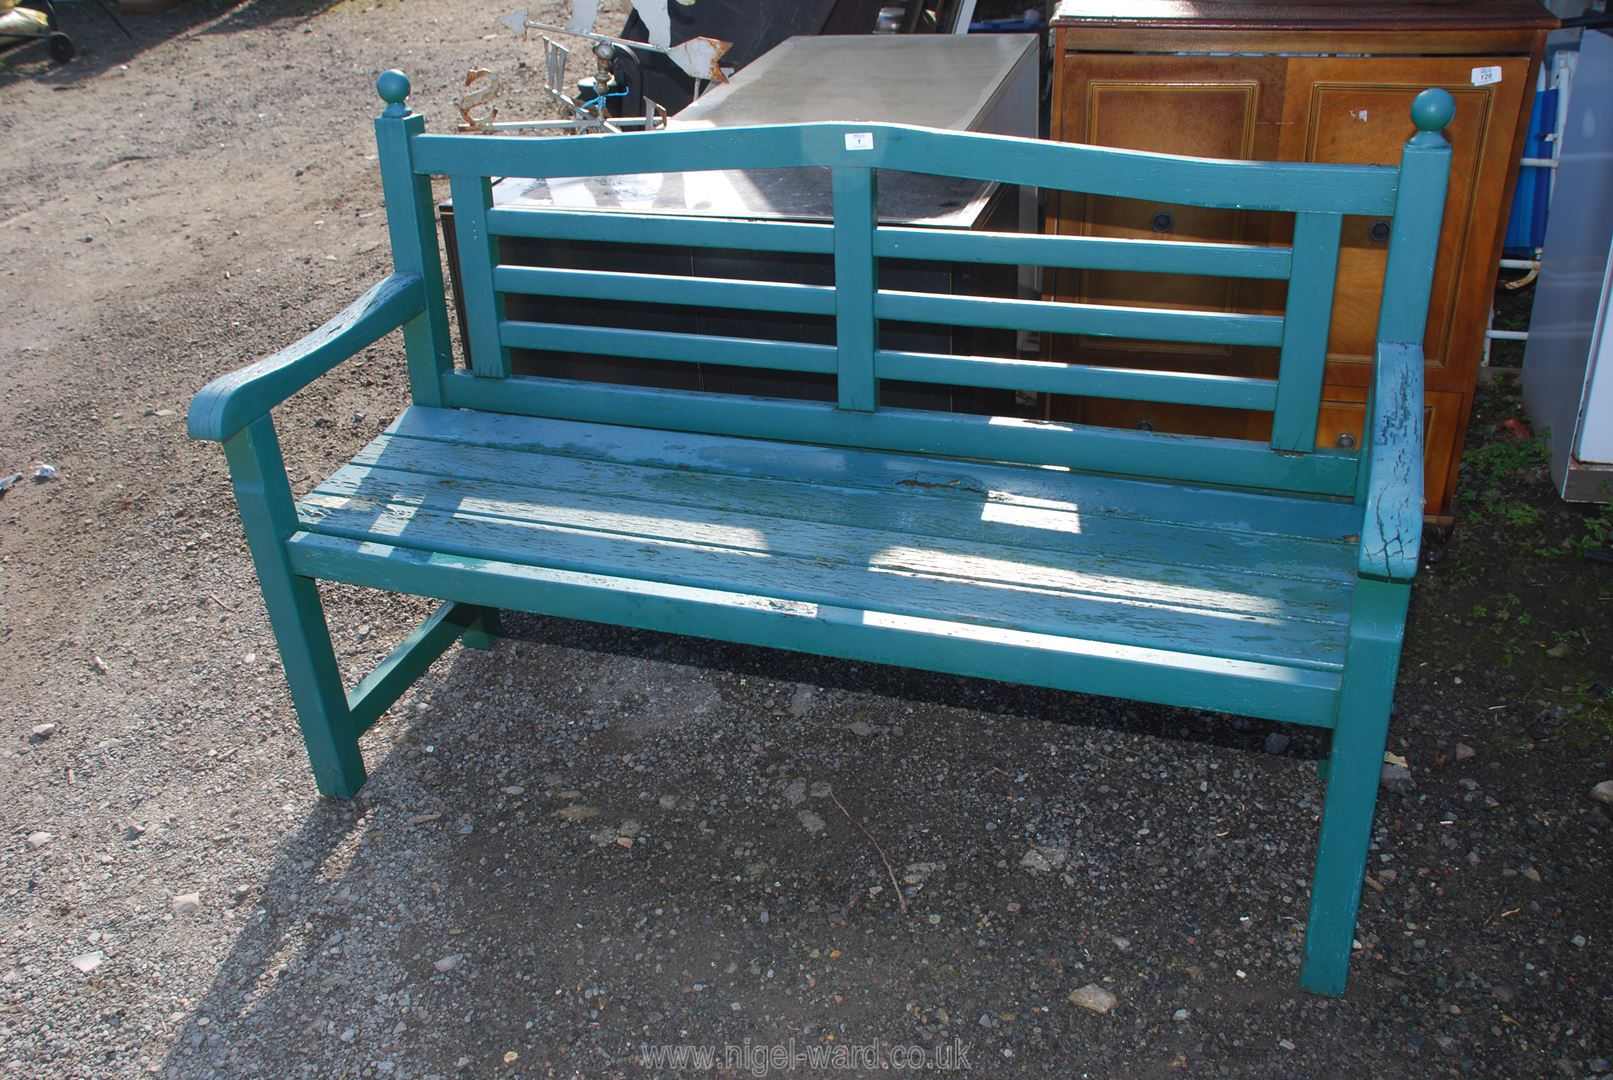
(229, 403)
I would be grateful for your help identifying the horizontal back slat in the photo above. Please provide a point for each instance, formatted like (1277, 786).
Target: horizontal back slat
(1042, 376)
(612, 227)
(667, 289)
(683, 348)
(990, 438)
(1085, 252)
(1102, 320)
(1133, 174)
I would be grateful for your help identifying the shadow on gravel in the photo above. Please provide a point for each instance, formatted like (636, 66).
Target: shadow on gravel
(102, 46)
(591, 840)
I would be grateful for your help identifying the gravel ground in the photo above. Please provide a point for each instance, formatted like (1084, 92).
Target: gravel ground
(588, 840)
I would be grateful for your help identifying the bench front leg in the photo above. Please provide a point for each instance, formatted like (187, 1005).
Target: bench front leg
(269, 517)
(1355, 765)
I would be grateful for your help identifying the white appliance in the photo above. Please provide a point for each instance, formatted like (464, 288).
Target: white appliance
(1568, 364)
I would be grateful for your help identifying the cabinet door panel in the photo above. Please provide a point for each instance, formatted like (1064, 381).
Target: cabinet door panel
(1166, 104)
(1340, 422)
(1356, 110)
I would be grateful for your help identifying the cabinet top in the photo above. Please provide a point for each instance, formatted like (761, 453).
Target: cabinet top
(1306, 14)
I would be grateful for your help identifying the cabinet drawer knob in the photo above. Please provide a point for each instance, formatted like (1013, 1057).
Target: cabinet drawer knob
(1145, 425)
(1162, 221)
(1379, 231)
(1345, 441)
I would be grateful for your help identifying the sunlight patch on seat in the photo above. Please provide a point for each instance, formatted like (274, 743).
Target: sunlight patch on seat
(596, 520)
(1011, 573)
(1040, 514)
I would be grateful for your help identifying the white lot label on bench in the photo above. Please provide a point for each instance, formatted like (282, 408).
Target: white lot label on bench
(860, 140)
(1484, 76)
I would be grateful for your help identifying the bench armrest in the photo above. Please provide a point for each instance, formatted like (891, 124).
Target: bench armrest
(229, 403)
(1392, 525)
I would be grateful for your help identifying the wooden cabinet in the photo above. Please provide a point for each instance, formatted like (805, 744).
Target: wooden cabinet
(1294, 82)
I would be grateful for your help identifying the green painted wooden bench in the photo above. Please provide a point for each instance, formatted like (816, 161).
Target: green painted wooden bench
(1264, 578)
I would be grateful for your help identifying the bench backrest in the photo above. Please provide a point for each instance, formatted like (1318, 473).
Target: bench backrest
(1318, 196)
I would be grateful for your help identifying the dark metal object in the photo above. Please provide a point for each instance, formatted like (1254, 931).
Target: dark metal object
(981, 83)
(57, 43)
(753, 26)
(1163, 221)
(1379, 232)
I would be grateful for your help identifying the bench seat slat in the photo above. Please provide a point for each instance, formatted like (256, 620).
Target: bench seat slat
(902, 587)
(1296, 620)
(1143, 674)
(1217, 591)
(1228, 510)
(1056, 532)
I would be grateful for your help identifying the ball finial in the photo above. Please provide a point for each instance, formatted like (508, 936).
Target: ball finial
(393, 86)
(1433, 109)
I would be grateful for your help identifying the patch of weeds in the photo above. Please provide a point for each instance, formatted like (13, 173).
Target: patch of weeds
(1502, 458)
(1497, 474)
(1587, 714)
(1521, 516)
(1506, 616)
(1598, 529)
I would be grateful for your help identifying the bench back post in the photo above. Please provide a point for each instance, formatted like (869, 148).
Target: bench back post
(1425, 167)
(855, 285)
(413, 230)
(1306, 322)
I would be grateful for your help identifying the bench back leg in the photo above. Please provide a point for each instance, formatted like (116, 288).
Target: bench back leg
(1355, 765)
(295, 612)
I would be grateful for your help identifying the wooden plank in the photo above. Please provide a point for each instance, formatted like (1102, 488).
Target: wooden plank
(1053, 377)
(803, 238)
(1099, 320)
(478, 254)
(685, 348)
(839, 470)
(1136, 174)
(904, 589)
(1070, 530)
(667, 289)
(992, 438)
(1142, 674)
(1306, 593)
(1307, 321)
(855, 285)
(1256, 261)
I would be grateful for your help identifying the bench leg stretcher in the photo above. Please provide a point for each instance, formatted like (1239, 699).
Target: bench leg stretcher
(332, 720)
